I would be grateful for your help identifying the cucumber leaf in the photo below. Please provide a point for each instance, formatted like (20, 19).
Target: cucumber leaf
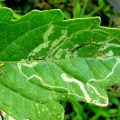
(45, 59)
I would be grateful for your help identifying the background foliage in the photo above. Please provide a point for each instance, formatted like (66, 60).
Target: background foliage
(109, 12)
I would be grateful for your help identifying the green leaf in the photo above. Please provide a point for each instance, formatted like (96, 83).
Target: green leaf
(5, 15)
(45, 60)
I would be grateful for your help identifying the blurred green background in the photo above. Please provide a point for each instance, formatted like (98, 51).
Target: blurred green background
(109, 11)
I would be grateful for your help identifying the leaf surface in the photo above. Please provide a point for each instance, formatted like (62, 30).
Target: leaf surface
(45, 60)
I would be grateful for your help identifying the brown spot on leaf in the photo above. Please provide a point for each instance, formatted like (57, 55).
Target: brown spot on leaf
(1, 72)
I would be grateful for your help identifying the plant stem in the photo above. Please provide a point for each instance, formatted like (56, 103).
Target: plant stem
(84, 7)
